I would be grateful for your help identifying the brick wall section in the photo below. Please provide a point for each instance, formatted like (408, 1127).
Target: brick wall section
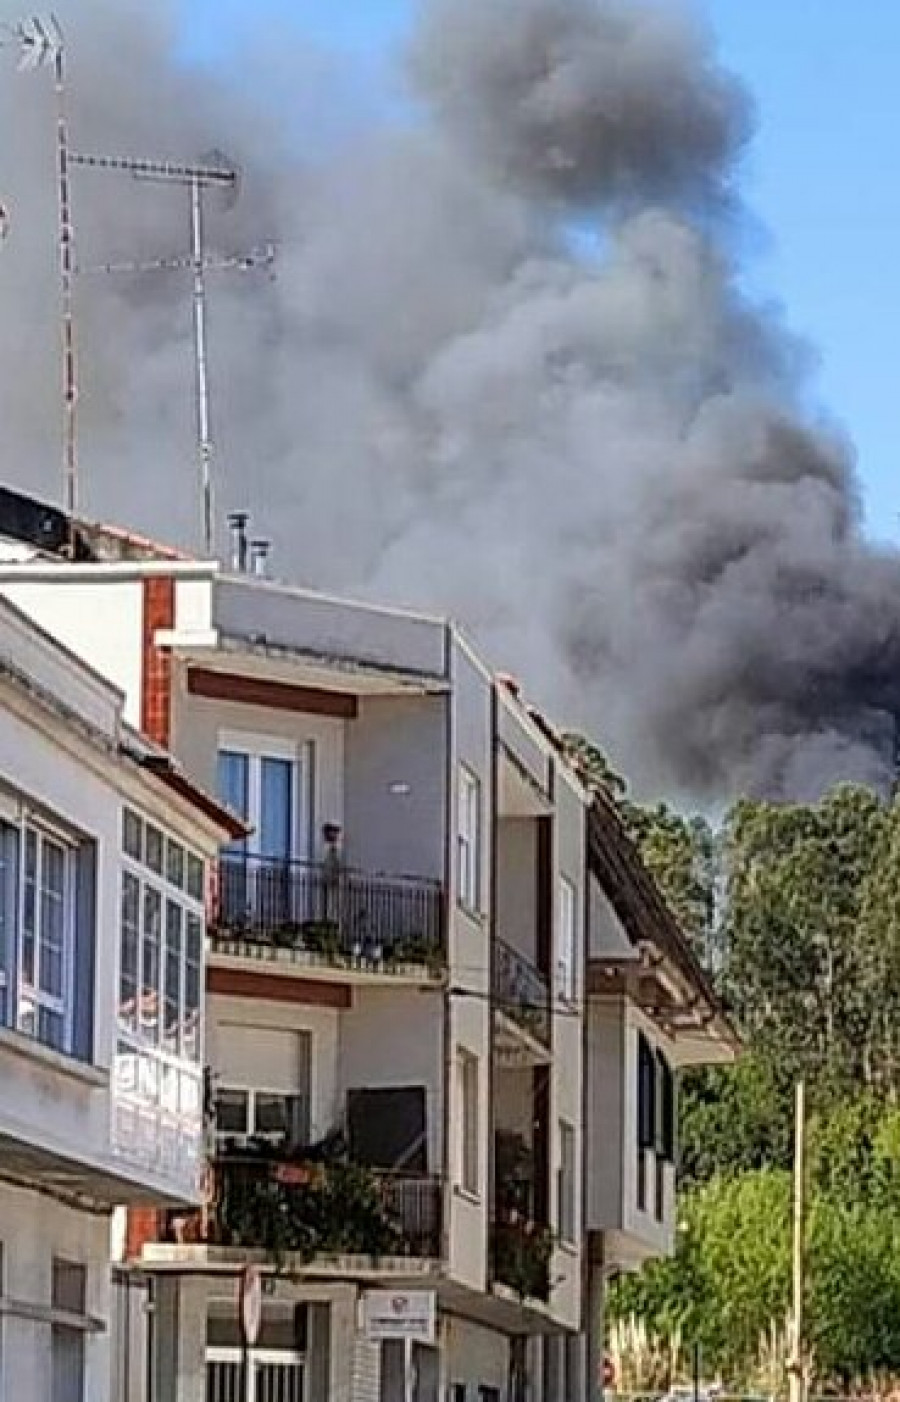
(156, 672)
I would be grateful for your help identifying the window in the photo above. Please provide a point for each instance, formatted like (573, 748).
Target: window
(261, 1114)
(646, 1115)
(263, 789)
(665, 1109)
(68, 1295)
(566, 962)
(46, 934)
(468, 1099)
(468, 837)
(566, 1182)
(160, 1004)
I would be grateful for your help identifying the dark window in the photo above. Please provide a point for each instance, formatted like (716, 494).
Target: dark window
(665, 1140)
(68, 1295)
(646, 1119)
(387, 1128)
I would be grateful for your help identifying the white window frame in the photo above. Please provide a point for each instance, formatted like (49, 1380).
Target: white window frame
(567, 940)
(153, 1073)
(256, 748)
(469, 1166)
(253, 1094)
(62, 1004)
(468, 839)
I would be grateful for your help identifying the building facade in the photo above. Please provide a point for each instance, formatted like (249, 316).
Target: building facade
(101, 1027)
(425, 1040)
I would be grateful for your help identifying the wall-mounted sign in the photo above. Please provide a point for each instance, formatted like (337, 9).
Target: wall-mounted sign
(400, 1314)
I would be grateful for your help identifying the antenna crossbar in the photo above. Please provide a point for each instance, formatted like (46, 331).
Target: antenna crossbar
(159, 170)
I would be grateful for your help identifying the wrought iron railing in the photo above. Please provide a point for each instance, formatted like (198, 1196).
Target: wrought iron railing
(327, 913)
(314, 1208)
(521, 991)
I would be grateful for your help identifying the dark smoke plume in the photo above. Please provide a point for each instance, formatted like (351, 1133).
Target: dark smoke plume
(605, 463)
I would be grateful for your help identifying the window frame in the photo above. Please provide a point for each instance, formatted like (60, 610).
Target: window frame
(567, 939)
(158, 1087)
(255, 749)
(62, 1004)
(469, 1165)
(468, 839)
(252, 1130)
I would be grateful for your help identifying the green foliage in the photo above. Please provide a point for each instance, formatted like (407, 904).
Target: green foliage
(795, 909)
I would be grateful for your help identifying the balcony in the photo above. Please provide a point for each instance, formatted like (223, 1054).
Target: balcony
(521, 993)
(313, 1208)
(321, 914)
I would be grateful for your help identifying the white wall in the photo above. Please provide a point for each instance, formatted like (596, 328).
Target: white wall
(566, 1083)
(614, 1027)
(226, 1013)
(469, 950)
(101, 621)
(392, 1038)
(396, 786)
(476, 1355)
(34, 1229)
(517, 885)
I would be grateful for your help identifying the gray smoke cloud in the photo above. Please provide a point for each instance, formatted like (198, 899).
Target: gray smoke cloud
(604, 463)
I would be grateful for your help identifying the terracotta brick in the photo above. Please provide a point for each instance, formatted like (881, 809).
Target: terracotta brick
(156, 674)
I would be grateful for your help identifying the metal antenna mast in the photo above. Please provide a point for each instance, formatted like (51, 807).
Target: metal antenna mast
(196, 178)
(40, 44)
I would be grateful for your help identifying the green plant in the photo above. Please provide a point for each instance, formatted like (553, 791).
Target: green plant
(321, 937)
(522, 1255)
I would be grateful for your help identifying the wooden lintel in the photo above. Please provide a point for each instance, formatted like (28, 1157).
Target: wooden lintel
(280, 696)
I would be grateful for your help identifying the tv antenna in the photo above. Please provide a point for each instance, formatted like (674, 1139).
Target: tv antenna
(41, 45)
(215, 173)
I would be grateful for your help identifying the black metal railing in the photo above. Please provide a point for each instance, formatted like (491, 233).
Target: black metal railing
(327, 912)
(292, 1206)
(521, 991)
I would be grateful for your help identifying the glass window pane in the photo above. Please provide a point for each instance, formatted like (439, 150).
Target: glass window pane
(129, 946)
(231, 1112)
(154, 849)
(152, 936)
(172, 977)
(272, 1114)
(276, 808)
(234, 781)
(132, 834)
(175, 864)
(195, 881)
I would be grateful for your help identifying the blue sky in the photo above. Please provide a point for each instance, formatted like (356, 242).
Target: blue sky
(821, 177)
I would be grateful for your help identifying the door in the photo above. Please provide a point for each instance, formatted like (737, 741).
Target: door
(262, 878)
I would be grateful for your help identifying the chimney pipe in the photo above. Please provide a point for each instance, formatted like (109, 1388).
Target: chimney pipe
(237, 525)
(259, 555)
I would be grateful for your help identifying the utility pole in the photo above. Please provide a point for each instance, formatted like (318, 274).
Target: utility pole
(797, 1362)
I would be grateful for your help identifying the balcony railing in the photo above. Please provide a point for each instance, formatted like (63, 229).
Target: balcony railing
(309, 1209)
(521, 991)
(327, 913)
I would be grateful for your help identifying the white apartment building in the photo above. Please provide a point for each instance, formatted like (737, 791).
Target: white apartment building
(104, 847)
(422, 1084)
